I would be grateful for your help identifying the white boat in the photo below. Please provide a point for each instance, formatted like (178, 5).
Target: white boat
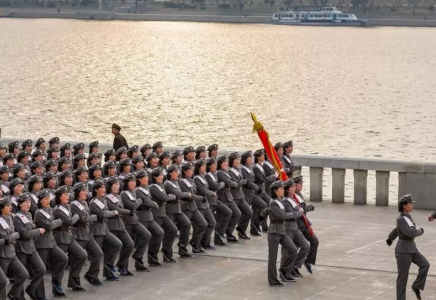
(327, 16)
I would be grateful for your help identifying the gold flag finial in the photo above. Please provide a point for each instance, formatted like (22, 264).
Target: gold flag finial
(257, 125)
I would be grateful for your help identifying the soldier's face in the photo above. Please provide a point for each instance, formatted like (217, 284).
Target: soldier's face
(202, 169)
(131, 184)
(166, 161)
(408, 207)
(159, 178)
(68, 181)
(25, 160)
(159, 150)
(115, 188)
(65, 166)
(65, 198)
(111, 171)
(123, 155)
(38, 171)
(83, 177)
(214, 153)
(37, 186)
(6, 211)
(224, 165)
(289, 150)
(189, 173)
(213, 167)
(291, 190)
(154, 161)
(54, 168)
(45, 202)
(112, 157)
(5, 176)
(202, 155)
(2, 152)
(16, 150)
(236, 162)
(39, 158)
(42, 147)
(54, 155)
(144, 180)
(126, 168)
(18, 189)
(175, 175)
(190, 156)
(67, 152)
(94, 150)
(83, 194)
(28, 149)
(299, 187)
(51, 184)
(249, 161)
(147, 152)
(179, 159)
(10, 163)
(135, 154)
(22, 174)
(101, 191)
(280, 192)
(81, 163)
(25, 206)
(97, 174)
(280, 151)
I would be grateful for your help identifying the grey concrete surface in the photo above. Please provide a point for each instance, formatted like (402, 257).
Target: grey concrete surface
(353, 263)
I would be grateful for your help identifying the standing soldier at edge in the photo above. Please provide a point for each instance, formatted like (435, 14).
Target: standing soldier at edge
(119, 140)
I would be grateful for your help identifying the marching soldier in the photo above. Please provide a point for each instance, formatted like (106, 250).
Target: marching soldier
(34, 186)
(117, 226)
(94, 173)
(3, 150)
(79, 160)
(40, 144)
(16, 189)
(159, 196)
(47, 248)
(221, 212)
(133, 226)
(64, 164)
(25, 246)
(119, 140)
(4, 180)
(53, 153)
(174, 210)
(110, 155)
(9, 262)
(158, 148)
(200, 152)
(226, 197)
(109, 169)
(65, 239)
(51, 166)
(133, 151)
(189, 154)
(37, 168)
(152, 162)
(27, 146)
(82, 231)
(164, 161)
(93, 147)
(145, 217)
(238, 195)
(202, 189)
(138, 163)
(100, 230)
(38, 155)
(406, 251)
(190, 207)
(145, 151)
(53, 142)
(14, 149)
(177, 159)
(213, 151)
(93, 159)
(79, 148)
(286, 159)
(65, 151)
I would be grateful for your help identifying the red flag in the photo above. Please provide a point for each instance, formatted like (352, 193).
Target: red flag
(272, 154)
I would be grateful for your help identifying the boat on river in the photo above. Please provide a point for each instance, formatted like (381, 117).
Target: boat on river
(326, 16)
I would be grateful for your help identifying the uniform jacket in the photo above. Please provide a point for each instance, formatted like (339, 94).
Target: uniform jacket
(225, 195)
(203, 190)
(292, 207)
(160, 196)
(132, 203)
(277, 216)
(114, 203)
(187, 185)
(82, 228)
(250, 189)
(144, 211)
(64, 233)
(236, 176)
(172, 187)
(407, 232)
(44, 219)
(120, 141)
(25, 226)
(7, 232)
(98, 206)
(261, 179)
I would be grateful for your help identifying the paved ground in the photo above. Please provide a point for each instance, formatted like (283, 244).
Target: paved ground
(353, 263)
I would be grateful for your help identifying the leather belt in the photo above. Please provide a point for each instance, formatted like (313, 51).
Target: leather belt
(172, 202)
(69, 228)
(83, 225)
(278, 222)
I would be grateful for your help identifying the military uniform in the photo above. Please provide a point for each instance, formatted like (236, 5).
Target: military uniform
(119, 140)
(4, 184)
(287, 160)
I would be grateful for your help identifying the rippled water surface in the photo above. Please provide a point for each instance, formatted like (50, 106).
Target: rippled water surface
(363, 92)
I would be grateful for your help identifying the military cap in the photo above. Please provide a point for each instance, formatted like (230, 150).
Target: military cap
(43, 194)
(51, 162)
(176, 154)
(211, 161)
(13, 144)
(222, 158)
(94, 168)
(116, 126)
(93, 144)
(164, 154)
(80, 186)
(289, 183)
(132, 149)
(93, 155)
(172, 168)
(80, 170)
(212, 147)
(188, 150)
(151, 155)
(157, 145)
(200, 149)
(276, 184)
(247, 154)
(27, 143)
(53, 149)
(122, 150)
(145, 147)
(34, 178)
(278, 145)
(62, 190)
(14, 182)
(36, 164)
(233, 155)
(288, 144)
(65, 146)
(36, 153)
(79, 146)
(6, 201)
(128, 177)
(18, 167)
(124, 162)
(3, 146)
(54, 140)
(66, 173)
(298, 179)
(79, 157)
(187, 165)
(48, 176)
(22, 155)
(23, 197)
(141, 174)
(4, 169)
(64, 160)
(7, 157)
(109, 164)
(137, 159)
(39, 142)
(406, 199)
(258, 152)
(157, 171)
(199, 162)
(110, 180)
(110, 152)
(97, 184)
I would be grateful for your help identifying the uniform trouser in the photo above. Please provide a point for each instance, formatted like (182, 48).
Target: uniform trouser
(77, 257)
(18, 271)
(95, 254)
(236, 216)
(267, 199)
(301, 243)
(403, 263)
(246, 214)
(222, 217)
(3, 284)
(157, 235)
(36, 266)
(142, 236)
(111, 246)
(258, 205)
(170, 232)
(200, 226)
(314, 242)
(126, 249)
(58, 260)
(274, 240)
(184, 225)
(211, 224)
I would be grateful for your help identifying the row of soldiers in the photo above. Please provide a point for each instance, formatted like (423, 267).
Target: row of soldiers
(82, 209)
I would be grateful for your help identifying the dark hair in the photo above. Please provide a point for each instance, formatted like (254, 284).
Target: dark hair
(39, 202)
(58, 198)
(76, 194)
(197, 169)
(126, 185)
(109, 185)
(2, 205)
(401, 207)
(219, 164)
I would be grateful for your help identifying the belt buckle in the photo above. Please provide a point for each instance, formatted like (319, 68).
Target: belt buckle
(87, 225)
(69, 228)
(104, 221)
(32, 239)
(51, 232)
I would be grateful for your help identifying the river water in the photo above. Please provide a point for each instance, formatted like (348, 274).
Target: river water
(361, 92)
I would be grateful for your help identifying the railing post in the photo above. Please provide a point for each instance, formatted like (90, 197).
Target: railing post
(401, 184)
(316, 179)
(382, 188)
(360, 186)
(338, 187)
